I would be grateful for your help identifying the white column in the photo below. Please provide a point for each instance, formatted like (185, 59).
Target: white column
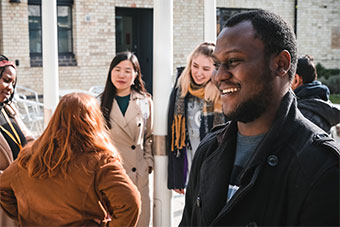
(210, 21)
(50, 57)
(162, 84)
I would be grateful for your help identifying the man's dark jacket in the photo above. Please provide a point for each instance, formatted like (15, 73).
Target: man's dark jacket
(291, 179)
(314, 104)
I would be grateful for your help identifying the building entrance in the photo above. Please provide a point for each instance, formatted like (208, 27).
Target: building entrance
(134, 32)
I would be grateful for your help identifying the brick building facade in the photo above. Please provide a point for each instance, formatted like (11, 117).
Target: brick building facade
(317, 25)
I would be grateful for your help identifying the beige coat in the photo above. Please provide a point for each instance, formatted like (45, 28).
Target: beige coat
(132, 135)
(6, 156)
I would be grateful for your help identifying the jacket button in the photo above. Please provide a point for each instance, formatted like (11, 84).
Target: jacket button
(198, 202)
(133, 147)
(252, 224)
(134, 169)
(272, 160)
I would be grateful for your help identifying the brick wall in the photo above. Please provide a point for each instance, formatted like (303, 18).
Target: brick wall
(318, 32)
(14, 38)
(318, 25)
(94, 44)
(283, 8)
(189, 34)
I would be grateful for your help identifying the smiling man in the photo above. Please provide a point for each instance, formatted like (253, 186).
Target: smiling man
(268, 165)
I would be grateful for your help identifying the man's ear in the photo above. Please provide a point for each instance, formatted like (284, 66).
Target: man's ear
(297, 81)
(280, 63)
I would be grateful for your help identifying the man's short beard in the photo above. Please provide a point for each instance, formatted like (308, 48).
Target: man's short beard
(256, 105)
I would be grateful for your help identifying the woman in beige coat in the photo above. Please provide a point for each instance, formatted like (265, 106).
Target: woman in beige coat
(127, 108)
(14, 134)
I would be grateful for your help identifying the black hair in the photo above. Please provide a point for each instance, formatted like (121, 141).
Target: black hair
(2, 57)
(274, 32)
(110, 90)
(2, 69)
(306, 69)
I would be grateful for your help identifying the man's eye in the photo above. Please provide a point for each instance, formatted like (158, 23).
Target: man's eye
(233, 62)
(217, 66)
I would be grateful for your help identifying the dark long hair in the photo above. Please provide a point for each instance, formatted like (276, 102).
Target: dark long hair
(2, 69)
(110, 91)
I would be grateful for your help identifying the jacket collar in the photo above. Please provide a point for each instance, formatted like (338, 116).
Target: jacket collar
(130, 115)
(278, 134)
(133, 109)
(286, 113)
(136, 95)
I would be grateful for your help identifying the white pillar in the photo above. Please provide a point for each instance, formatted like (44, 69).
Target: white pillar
(50, 57)
(210, 21)
(162, 84)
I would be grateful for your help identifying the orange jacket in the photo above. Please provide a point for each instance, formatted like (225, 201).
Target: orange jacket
(58, 201)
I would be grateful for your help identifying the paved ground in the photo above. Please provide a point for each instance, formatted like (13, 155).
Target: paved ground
(178, 205)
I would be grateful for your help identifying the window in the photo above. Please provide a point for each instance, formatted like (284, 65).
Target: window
(64, 29)
(34, 18)
(223, 14)
(65, 37)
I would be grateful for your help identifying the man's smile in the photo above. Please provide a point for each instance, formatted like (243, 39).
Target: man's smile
(230, 90)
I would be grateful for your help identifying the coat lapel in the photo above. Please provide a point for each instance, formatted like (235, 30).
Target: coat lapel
(129, 121)
(5, 149)
(118, 118)
(132, 110)
(132, 116)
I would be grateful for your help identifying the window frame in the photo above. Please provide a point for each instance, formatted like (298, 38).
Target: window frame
(219, 15)
(65, 58)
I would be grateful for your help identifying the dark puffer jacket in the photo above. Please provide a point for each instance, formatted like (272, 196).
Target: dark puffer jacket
(314, 104)
(291, 179)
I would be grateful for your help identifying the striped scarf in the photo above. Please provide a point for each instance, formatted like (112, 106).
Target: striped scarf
(178, 127)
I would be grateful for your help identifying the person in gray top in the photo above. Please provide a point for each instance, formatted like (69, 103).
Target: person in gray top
(313, 96)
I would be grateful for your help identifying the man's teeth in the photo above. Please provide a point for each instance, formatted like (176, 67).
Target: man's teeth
(230, 90)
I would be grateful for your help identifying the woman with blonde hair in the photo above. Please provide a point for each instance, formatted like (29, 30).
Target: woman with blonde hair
(195, 107)
(72, 174)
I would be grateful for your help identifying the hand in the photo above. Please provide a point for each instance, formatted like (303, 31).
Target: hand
(150, 169)
(179, 191)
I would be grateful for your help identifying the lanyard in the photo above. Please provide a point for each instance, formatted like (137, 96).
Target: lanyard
(16, 140)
